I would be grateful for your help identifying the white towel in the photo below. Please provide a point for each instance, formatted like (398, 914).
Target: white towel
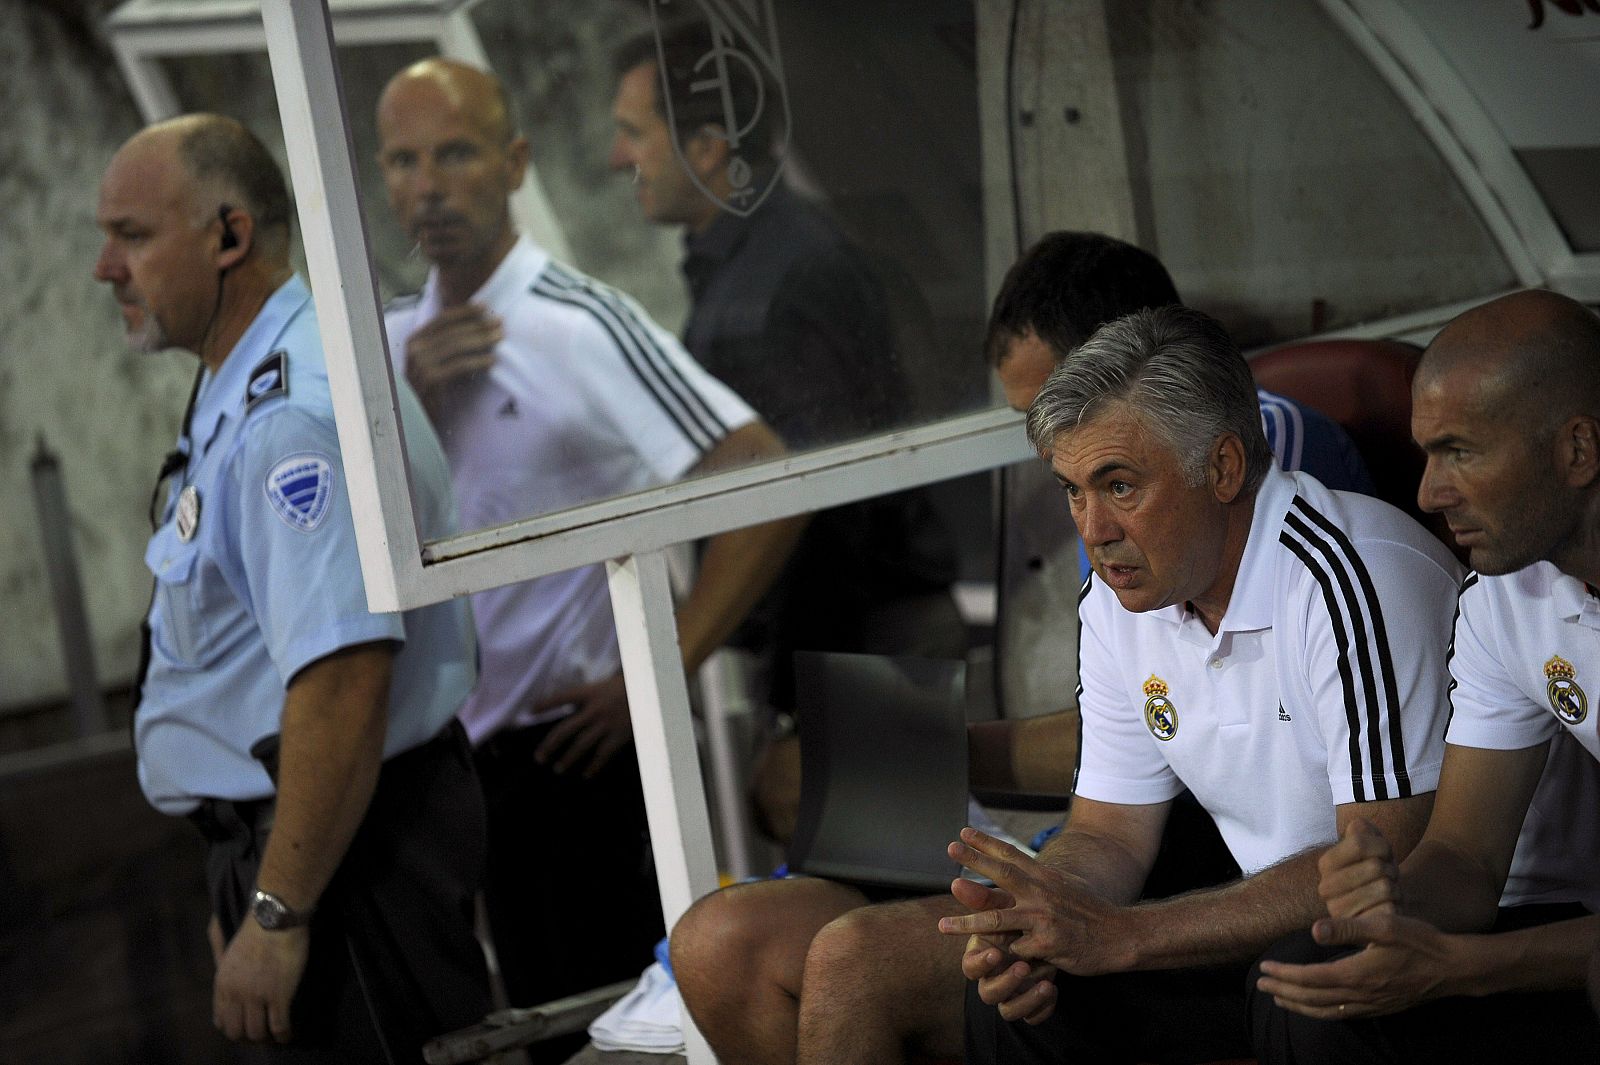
(645, 1019)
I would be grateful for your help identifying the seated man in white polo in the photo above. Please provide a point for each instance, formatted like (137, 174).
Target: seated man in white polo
(1274, 646)
(1475, 947)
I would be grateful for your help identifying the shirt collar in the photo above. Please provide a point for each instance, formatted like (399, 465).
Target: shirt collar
(516, 273)
(727, 233)
(1255, 592)
(223, 393)
(717, 244)
(1568, 594)
(1250, 604)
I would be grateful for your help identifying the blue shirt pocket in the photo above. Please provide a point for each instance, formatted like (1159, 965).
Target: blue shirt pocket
(177, 620)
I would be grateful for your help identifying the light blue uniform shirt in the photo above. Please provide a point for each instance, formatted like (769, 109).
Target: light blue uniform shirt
(268, 581)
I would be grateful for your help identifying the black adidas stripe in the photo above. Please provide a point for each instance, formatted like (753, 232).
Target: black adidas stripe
(1077, 758)
(670, 375)
(693, 429)
(1450, 652)
(1352, 716)
(1333, 561)
(1380, 637)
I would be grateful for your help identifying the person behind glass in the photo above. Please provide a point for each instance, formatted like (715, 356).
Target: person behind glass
(805, 969)
(1275, 646)
(550, 389)
(312, 742)
(793, 315)
(1475, 947)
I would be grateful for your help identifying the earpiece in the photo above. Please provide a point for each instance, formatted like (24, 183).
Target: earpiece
(229, 241)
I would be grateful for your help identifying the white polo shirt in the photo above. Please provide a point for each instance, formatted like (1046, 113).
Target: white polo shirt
(1324, 684)
(1525, 659)
(588, 398)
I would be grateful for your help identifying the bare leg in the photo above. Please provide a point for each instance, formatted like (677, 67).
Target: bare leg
(739, 956)
(882, 981)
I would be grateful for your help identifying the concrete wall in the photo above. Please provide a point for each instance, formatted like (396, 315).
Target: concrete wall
(65, 374)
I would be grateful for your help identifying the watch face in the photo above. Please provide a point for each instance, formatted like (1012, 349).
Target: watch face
(270, 912)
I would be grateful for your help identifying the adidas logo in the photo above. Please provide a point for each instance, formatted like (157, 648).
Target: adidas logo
(508, 409)
(1283, 715)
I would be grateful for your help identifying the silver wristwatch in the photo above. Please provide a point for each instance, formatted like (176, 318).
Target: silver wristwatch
(273, 914)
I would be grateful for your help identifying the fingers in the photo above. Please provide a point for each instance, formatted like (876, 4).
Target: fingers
(556, 744)
(1384, 928)
(456, 345)
(239, 1017)
(278, 1021)
(985, 922)
(1341, 975)
(1370, 886)
(226, 1015)
(985, 956)
(1009, 988)
(990, 857)
(1360, 842)
(976, 896)
(611, 741)
(1336, 990)
(1044, 994)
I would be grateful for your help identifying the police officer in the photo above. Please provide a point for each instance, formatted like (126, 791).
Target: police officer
(313, 743)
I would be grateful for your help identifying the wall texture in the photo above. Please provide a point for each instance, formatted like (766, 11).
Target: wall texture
(65, 374)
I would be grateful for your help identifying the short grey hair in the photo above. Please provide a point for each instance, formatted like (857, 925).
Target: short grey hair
(1181, 375)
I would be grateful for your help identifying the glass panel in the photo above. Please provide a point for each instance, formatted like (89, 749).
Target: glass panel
(817, 265)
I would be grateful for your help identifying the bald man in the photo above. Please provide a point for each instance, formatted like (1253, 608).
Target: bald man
(1475, 948)
(297, 730)
(549, 390)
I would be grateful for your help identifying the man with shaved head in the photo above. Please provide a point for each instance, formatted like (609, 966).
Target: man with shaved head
(1475, 947)
(549, 390)
(313, 744)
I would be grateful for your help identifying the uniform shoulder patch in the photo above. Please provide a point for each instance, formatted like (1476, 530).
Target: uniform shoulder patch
(269, 378)
(300, 488)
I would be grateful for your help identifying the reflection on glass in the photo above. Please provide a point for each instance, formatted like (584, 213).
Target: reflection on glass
(788, 266)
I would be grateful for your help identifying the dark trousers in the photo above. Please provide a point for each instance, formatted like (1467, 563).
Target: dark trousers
(1533, 1028)
(393, 960)
(1167, 1017)
(1163, 1017)
(571, 888)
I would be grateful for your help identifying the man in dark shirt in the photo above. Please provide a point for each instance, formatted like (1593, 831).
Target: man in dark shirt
(792, 315)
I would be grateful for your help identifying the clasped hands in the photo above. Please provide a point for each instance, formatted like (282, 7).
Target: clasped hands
(1403, 960)
(1034, 921)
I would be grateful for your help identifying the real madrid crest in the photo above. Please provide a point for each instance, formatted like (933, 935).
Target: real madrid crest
(1159, 714)
(188, 512)
(1566, 698)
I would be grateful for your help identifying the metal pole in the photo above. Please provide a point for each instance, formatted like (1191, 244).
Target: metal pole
(663, 734)
(72, 620)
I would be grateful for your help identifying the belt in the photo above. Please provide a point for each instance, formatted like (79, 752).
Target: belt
(224, 819)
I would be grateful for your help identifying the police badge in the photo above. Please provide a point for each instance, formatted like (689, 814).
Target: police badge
(1160, 716)
(738, 82)
(1566, 698)
(188, 512)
